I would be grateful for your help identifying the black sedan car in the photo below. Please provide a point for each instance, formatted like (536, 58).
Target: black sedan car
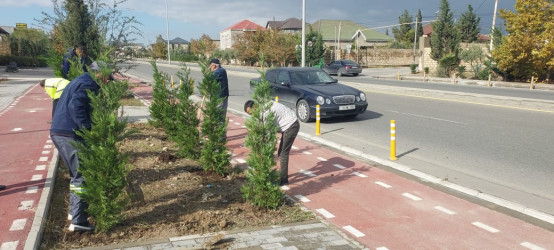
(301, 89)
(343, 67)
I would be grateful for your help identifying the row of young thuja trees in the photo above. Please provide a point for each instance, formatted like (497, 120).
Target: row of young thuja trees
(173, 110)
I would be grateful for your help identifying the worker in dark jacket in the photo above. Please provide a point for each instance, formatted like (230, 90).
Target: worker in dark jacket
(74, 54)
(73, 112)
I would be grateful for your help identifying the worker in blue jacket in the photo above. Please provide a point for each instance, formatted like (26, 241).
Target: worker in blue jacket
(74, 54)
(73, 112)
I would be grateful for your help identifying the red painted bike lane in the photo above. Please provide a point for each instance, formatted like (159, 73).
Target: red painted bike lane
(24, 164)
(382, 210)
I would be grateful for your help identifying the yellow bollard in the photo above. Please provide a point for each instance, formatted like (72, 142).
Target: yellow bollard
(398, 76)
(276, 99)
(180, 83)
(317, 121)
(172, 81)
(454, 80)
(393, 140)
(424, 75)
(192, 84)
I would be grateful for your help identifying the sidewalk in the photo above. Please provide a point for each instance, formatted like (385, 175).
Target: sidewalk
(28, 159)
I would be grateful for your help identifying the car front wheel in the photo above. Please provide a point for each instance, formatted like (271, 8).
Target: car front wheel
(303, 111)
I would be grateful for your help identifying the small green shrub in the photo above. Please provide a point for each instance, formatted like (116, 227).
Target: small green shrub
(426, 69)
(413, 68)
(24, 61)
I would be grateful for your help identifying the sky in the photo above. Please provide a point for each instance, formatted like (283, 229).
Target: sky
(192, 18)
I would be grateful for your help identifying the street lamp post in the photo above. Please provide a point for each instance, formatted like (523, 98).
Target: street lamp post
(303, 33)
(167, 25)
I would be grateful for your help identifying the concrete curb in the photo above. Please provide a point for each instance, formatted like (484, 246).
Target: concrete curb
(35, 235)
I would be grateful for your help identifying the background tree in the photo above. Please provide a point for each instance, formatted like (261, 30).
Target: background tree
(314, 51)
(474, 55)
(159, 49)
(404, 33)
(248, 46)
(79, 27)
(496, 38)
(203, 48)
(445, 38)
(529, 48)
(100, 26)
(29, 42)
(468, 25)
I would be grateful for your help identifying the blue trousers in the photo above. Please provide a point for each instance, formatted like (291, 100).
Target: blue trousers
(77, 206)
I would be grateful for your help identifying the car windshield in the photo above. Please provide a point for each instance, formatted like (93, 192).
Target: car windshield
(310, 77)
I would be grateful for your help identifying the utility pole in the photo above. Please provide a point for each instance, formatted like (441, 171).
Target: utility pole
(493, 23)
(303, 33)
(492, 32)
(167, 25)
(338, 39)
(415, 39)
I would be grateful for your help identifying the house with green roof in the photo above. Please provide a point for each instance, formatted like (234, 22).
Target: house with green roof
(344, 34)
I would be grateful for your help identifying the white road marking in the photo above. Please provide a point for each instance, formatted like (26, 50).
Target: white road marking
(236, 123)
(243, 126)
(230, 120)
(302, 198)
(45, 152)
(16, 129)
(411, 196)
(47, 146)
(48, 141)
(353, 231)
(428, 117)
(308, 173)
(306, 152)
(325, 213)
(9, 245)
(43, 159)
(40, 167)
(294, 147)
(381, 248)
(241, 161)
(321, 159)
(339, 166)
(18, 224)
(32, 190)
(32, 111)
(359, 175)
(531, 246)
(285, 188)
(485, 227)
(444, 210)
(26, 205)
(382, 184)
(36, 177)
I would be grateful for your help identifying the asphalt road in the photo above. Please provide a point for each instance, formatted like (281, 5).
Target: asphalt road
(495, 140)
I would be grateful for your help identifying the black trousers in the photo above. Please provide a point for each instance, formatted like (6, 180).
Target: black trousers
(54, 104)
(287, 139)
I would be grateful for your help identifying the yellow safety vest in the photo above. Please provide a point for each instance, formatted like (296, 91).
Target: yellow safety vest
(55, 86)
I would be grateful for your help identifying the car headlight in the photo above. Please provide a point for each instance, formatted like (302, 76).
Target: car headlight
(320, 100)
(328, 101)
(362, 97)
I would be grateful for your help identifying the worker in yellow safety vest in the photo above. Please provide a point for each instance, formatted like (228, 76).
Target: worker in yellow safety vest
(54, 88)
